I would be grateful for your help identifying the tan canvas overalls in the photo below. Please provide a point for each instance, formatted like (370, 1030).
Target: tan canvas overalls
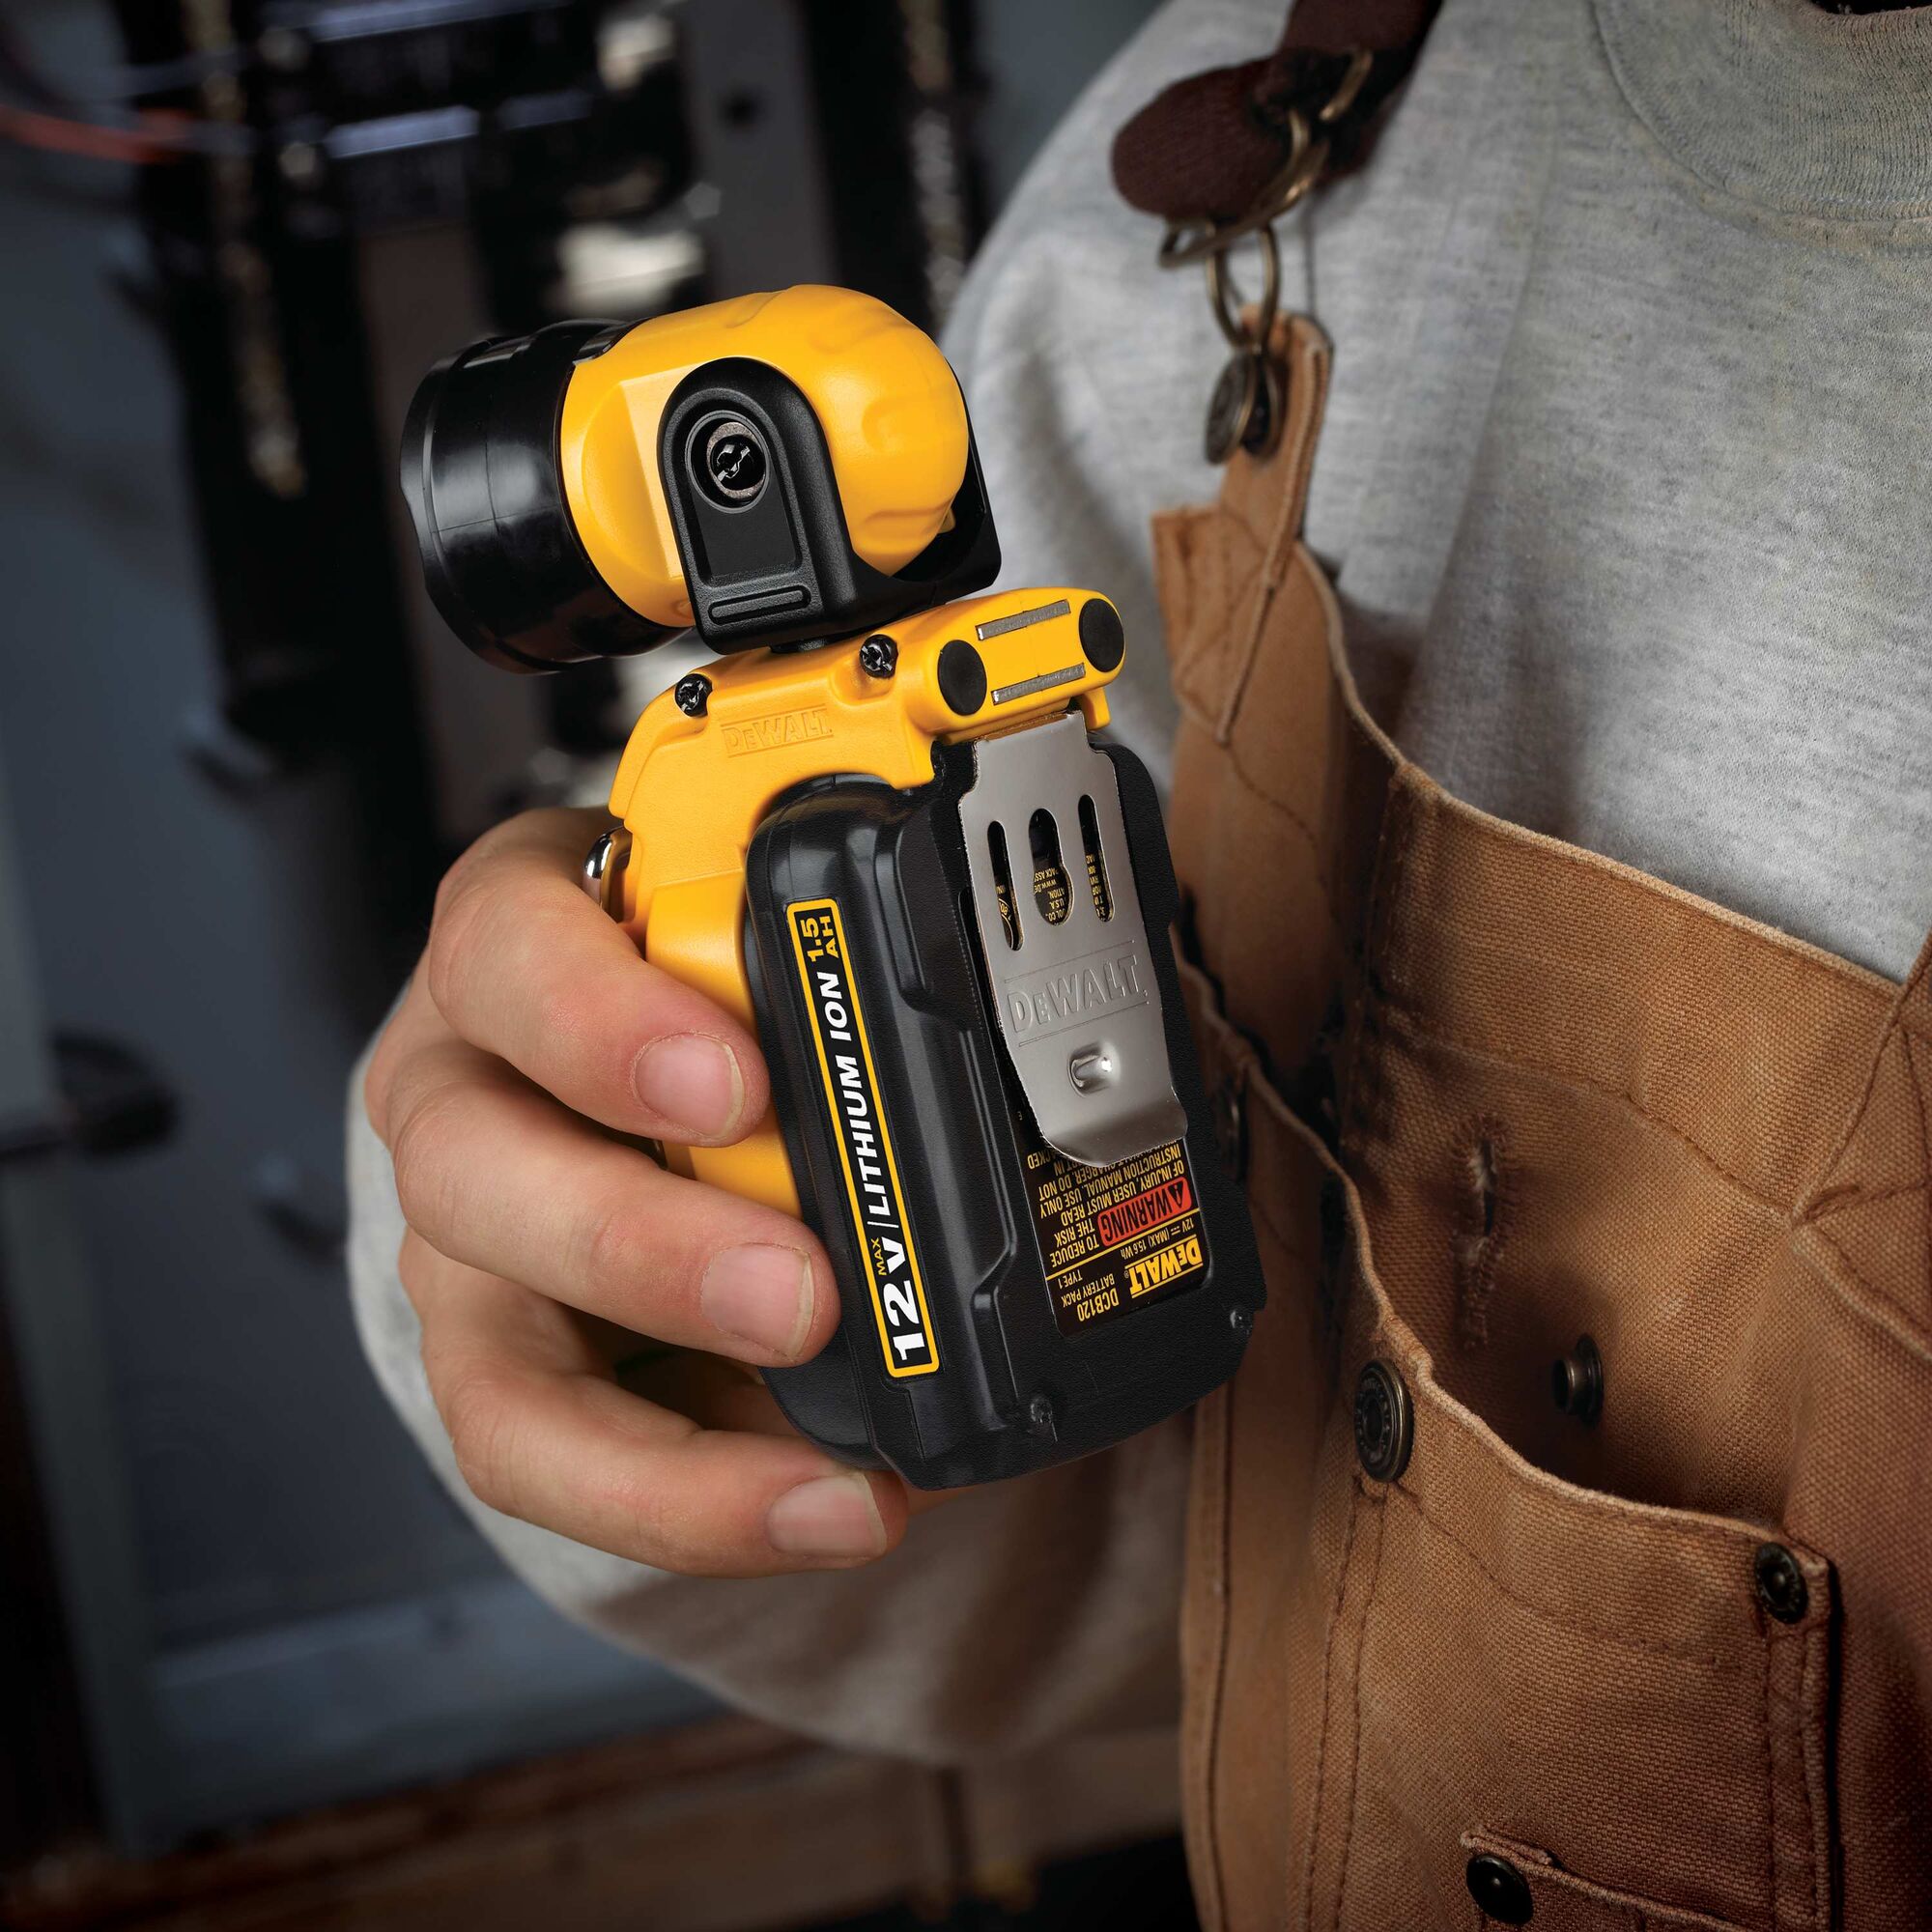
(1444, 1638)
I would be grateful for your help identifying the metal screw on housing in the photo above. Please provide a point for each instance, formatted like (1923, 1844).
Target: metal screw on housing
(691, 694)
(879, 656)
(1041, 1418)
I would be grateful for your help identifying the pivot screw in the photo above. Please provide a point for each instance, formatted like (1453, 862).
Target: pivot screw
(1039, 1414)
(693, 694)
(1576, 1381)
(735, 463)
(1242, 1320)
(879, 656)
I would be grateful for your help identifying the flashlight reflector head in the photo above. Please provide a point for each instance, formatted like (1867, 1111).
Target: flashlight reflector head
(500, 556)
(772, 471)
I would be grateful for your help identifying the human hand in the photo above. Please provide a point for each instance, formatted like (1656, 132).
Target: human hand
(591, 1325)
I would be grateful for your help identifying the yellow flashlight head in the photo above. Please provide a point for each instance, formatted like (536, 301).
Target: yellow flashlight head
(769, 471)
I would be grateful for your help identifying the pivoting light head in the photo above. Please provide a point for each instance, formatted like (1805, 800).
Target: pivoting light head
(775, 469)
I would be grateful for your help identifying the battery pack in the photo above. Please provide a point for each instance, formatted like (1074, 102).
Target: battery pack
(992, 1110)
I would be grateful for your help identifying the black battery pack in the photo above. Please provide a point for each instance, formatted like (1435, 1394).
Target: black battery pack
(1005, 1306)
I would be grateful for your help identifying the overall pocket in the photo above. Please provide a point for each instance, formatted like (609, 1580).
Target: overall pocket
(1509, 1877)
(1621, 1707)
(1638, 1692)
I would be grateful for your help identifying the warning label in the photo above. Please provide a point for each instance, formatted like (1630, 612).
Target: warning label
(1166, 1202)
(1112, 1239)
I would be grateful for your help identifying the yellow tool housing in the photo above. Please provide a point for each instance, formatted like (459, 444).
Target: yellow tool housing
(887, 400)
(692, 790)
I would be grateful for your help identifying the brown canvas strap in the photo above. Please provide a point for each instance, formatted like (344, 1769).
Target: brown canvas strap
(1210, 147)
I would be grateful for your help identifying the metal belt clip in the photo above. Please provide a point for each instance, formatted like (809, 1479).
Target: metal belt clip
(1065, 944)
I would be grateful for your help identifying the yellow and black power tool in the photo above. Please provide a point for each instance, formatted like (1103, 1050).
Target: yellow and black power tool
(880, 831)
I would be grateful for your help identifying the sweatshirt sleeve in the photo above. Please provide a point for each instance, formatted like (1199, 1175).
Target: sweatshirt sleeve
(1028, 1609)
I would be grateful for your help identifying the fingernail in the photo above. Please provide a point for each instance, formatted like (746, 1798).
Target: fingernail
(829, 1516)
(691, 1082)
(760, 1294)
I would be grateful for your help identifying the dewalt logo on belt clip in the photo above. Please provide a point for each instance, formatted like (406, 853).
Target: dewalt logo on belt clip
(851, 1090)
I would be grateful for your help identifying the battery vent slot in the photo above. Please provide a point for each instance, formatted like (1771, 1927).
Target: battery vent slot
(1049, 876)
(1003, 883)
(1096, 859)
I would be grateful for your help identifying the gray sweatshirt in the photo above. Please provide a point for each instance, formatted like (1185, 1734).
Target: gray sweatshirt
(1627, 485)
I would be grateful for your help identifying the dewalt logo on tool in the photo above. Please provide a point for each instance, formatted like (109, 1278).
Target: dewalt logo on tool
(776, 729)
(1069, 996)
(864, 1146)
(1163, 1265)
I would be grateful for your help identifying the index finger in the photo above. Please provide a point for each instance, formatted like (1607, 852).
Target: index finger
(522, 964)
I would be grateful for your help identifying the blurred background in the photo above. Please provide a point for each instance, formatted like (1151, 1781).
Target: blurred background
(255, 1669)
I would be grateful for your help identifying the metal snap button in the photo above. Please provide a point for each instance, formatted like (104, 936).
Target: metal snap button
(1227, 1116)
(1781, 1583)
(1499, 1888)
(1576, 1381)
(1384, 1422)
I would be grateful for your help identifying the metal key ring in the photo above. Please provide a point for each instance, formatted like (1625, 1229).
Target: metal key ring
(1309, 143)
(1227, 300)
(1189, 242)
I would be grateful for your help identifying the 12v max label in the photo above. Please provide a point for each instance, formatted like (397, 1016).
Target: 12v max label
(1113, 1239)
(851, 1088)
